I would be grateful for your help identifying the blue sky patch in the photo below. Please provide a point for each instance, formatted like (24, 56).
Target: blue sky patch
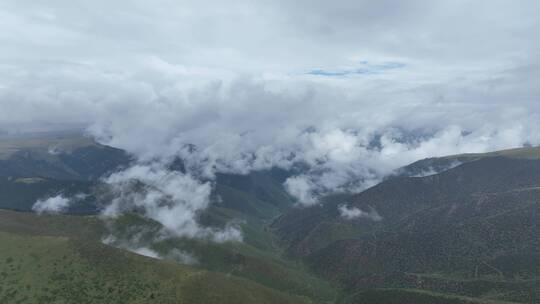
(365, 69)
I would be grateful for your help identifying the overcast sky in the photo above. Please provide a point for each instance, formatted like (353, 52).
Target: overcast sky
(249, 82)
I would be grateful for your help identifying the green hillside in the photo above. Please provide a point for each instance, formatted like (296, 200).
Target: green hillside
(470, 231)
(248, 259)
(439, 164)
(518, 153)
(410, 296)
(67, 142)
(61, 157)
(252, 201)
(45, 269)
(468, 234)
(239, 259)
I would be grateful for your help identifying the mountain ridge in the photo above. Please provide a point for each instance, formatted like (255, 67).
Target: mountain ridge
(464, 233)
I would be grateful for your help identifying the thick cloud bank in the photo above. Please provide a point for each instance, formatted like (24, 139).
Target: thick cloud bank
(349, 90)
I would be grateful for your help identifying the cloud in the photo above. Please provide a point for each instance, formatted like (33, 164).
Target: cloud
(233, 80)
(146, 252)
(54, 204)
(301, 188)
(140, 240)
(435, 170)
(182, 257)
(133, 244)
(172, 198)
(58, 203)
(354, 213)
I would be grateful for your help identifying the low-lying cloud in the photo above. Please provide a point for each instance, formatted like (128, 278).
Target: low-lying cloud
(141, 243)
(59, 203)
(351, 213)
(54, 204)
(172, 198)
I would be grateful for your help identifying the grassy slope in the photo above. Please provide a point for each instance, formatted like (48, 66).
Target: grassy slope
(262, 264)
(253, 200)
(245, 261)
(66, 157)
(22, 193)
(429, 166)
(410, 296)
(9, 146)
(518, 153)
(237, 259)
(46, 269)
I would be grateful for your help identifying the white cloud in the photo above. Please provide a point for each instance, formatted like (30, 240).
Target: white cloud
(354, 213)
(233, 79)
(301, 188)
(133, 245)
(171, 198)
(54, 204)
(146, 252)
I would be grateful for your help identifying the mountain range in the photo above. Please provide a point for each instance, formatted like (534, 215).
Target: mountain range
(456, 229)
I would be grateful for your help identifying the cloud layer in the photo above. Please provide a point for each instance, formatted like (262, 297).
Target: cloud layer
(353, 89)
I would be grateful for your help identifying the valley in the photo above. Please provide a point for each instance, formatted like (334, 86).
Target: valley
(467, 234)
